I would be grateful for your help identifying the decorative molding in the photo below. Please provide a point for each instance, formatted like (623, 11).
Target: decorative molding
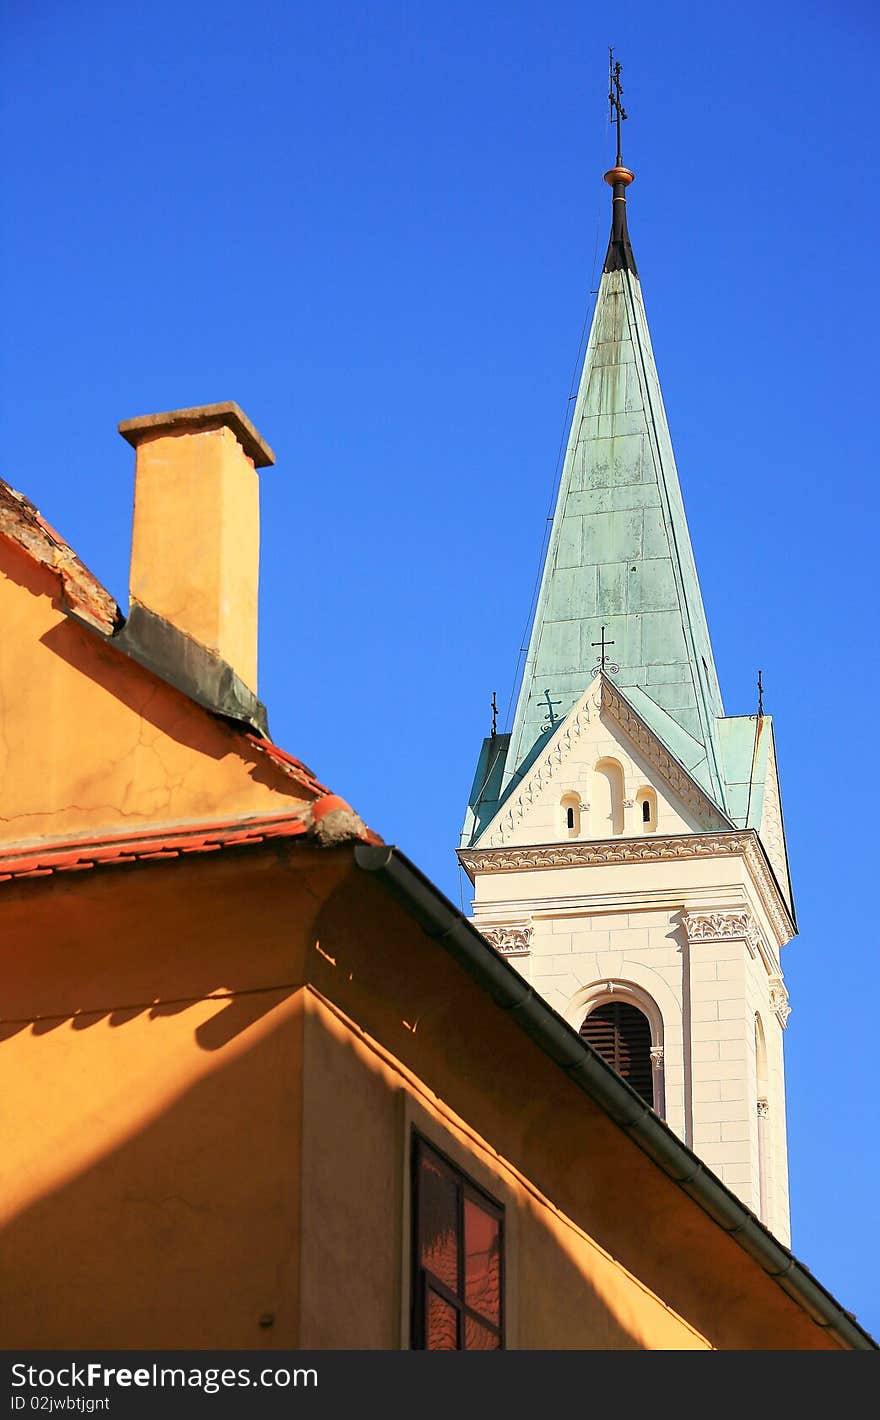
(679, 780)
(722, 926)
(509, 941)
(763, 1109)
(554, 756)
(779, 1000)
(656, 1053)
(653, 848)
(557, 751)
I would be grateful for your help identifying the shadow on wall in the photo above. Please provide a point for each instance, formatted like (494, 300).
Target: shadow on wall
(151, 699)
(183, 1235)
(98, 661)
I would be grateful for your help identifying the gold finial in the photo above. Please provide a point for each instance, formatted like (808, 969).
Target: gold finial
(620, 174)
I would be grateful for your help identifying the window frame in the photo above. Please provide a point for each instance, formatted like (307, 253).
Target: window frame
(421, 1279)
(617, 1006)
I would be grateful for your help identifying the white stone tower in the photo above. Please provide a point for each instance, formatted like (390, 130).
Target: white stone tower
(625, 839)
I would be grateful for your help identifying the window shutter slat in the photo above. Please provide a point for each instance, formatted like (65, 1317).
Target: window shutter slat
(621, 1034)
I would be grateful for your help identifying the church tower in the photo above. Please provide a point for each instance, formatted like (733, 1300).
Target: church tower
(625, 839)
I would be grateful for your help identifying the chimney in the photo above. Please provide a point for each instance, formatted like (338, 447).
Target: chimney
(195, 550)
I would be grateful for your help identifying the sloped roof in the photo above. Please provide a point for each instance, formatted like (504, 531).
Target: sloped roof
(619, 553)
(81, 591)
(328, 821)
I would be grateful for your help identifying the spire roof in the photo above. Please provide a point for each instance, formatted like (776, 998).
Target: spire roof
(619, 557)
(619, 553)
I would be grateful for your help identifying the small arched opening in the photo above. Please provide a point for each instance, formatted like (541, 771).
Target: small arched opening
(606, 803)
(570, 805)
(646, 807)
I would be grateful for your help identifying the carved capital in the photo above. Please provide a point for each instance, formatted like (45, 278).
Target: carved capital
(656, 1053)
(763, 1109)
(509, 941)
(779, 1000)
(721, 927)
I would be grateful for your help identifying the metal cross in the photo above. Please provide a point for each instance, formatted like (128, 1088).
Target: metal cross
(615, 89)
(551, 717)
(605, 663)
(494, 715)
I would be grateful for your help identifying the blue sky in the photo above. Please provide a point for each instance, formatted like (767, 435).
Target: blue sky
(377, 227)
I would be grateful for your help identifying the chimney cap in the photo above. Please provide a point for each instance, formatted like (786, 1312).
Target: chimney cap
(203, 416)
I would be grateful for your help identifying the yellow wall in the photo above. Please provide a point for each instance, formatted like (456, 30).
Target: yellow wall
(360, 1109)
(91, 741)
(177, 1165)
(149, 1168)
(402, 989)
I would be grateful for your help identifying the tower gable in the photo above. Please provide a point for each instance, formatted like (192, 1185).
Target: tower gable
(619, 557)
(603, 772)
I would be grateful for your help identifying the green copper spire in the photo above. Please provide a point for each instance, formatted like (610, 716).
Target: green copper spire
(620, 555)
(619, 558)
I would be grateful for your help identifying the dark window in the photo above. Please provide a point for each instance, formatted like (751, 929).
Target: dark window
(458, 1278)
(569, 814)
(646, 811)
(621, 1034)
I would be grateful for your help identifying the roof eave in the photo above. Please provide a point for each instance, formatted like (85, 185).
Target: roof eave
(446, 925)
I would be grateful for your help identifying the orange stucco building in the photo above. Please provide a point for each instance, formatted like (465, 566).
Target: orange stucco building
(262, 1085)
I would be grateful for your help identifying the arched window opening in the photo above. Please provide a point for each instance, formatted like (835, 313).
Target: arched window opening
(621, 1034)
(646, 800)
(763, 1120)
(607, 799)
(571, 815)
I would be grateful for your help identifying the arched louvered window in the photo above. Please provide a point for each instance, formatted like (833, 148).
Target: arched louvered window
(621, 1034)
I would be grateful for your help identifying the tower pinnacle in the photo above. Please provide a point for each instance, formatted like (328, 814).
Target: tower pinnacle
(619, 256)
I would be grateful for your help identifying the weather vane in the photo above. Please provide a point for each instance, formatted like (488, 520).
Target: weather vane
(605, 662)
(616, 110)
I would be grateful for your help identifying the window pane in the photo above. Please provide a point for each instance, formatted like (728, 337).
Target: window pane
(482, 1261)
(479, 1338)
(438, 1221)
(441, 1324)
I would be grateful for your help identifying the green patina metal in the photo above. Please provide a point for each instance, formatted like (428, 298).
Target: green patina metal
(620, 557)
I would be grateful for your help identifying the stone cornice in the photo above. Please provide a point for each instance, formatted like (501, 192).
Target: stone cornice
(652, 848)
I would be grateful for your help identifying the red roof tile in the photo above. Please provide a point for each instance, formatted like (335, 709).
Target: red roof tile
(81, 591)
(293, 767)
(163, 845)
